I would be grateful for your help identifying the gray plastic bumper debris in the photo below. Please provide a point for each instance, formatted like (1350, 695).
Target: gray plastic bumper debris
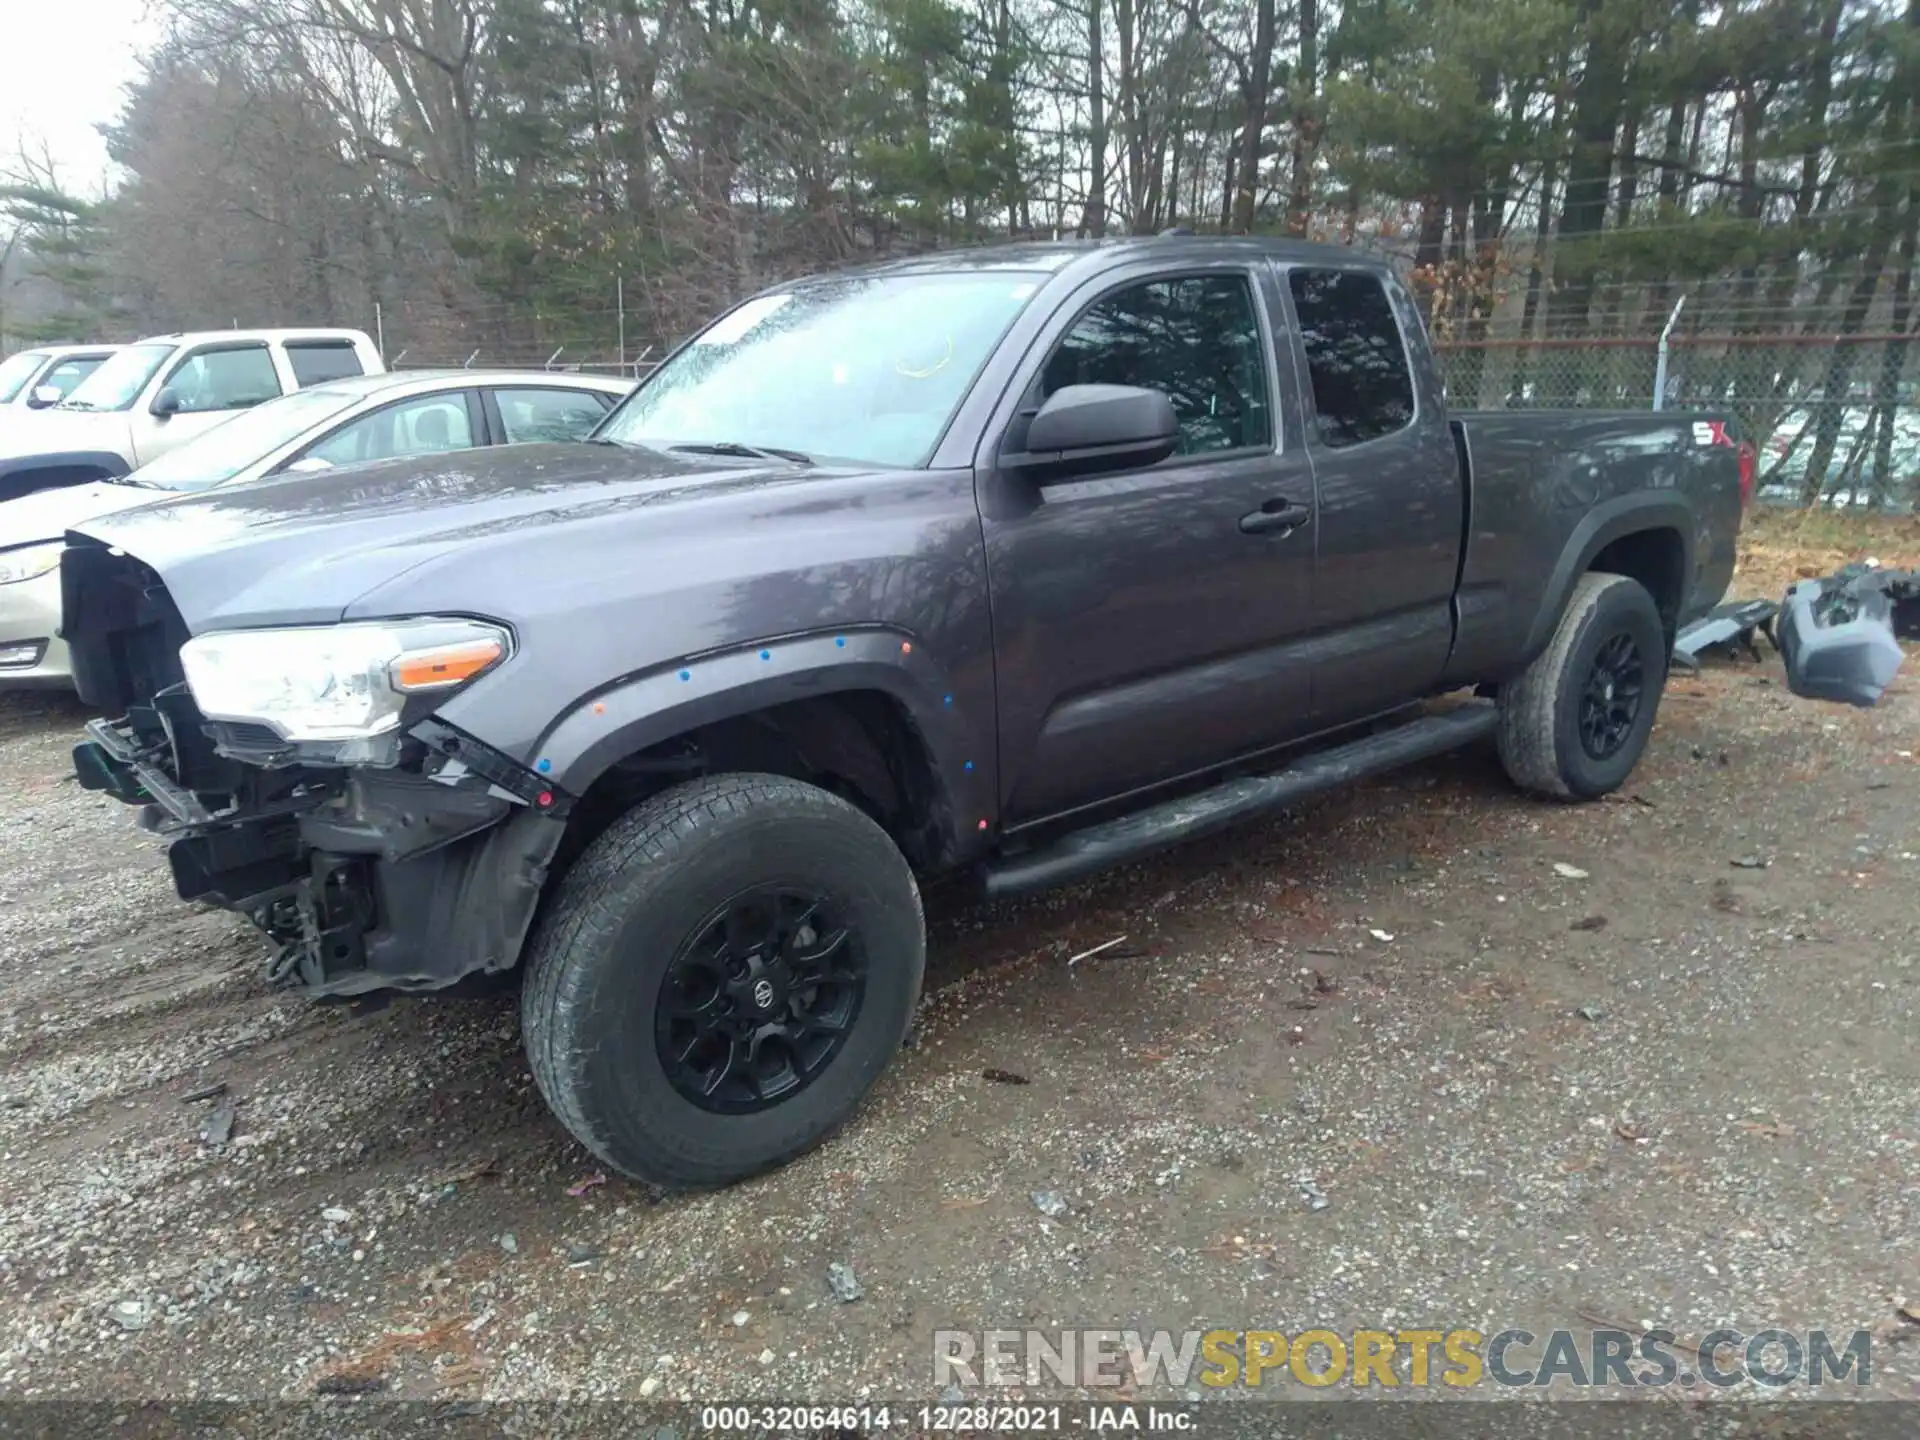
(1731, 624)
(1837, 640)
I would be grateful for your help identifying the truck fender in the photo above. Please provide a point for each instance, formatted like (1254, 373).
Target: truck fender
(1605, 523)
(645, 709)
(28, 473)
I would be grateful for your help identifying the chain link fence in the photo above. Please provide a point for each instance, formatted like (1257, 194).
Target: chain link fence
(1836, 419)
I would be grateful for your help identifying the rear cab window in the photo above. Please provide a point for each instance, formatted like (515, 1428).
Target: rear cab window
(1356, 355)
(315, 362)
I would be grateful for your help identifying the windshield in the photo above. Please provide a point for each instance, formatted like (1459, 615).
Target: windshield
(16, 370)
(119, 381)
(223, 452)
(864, 368)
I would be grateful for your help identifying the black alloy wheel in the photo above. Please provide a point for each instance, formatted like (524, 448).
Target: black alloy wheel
(760, 999)
(1610, 704)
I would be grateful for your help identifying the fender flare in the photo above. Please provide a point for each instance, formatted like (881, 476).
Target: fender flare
(644, 709)
(1605, 523)
(110, 465)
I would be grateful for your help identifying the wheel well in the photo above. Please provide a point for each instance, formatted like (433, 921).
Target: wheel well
(862, 745)
(1658, 560)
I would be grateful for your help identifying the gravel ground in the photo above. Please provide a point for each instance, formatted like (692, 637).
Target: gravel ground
(1428, 1053)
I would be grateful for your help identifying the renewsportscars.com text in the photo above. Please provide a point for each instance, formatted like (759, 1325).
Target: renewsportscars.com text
(1456, 1359)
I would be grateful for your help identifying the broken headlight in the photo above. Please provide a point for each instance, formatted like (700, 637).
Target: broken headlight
(29, 562)
(336, 682)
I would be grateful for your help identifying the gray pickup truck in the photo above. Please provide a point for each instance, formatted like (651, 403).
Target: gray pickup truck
(1016, 562)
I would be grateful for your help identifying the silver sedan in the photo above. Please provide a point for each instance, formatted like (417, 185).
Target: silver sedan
(342, 422)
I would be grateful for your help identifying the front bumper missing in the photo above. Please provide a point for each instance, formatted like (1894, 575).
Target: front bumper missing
(364, 879)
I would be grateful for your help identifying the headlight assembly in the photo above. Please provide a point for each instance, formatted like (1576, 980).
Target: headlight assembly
(336, 682)
(29, 562)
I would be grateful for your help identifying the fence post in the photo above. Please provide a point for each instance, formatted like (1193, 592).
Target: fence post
(1660, 364)
(379, 333)
(620, 307)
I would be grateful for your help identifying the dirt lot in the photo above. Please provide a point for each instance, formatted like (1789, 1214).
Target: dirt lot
(1671, 1082)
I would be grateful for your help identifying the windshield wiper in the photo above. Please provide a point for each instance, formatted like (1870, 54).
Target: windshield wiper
(76, 405)
(129, 480)
(749, 452)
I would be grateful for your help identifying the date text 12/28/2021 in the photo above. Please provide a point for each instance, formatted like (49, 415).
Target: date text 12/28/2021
(959, 1418)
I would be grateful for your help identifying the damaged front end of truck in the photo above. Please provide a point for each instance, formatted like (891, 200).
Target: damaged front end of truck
(375, 845)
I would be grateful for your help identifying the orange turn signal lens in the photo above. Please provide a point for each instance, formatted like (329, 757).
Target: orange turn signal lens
(446, 665)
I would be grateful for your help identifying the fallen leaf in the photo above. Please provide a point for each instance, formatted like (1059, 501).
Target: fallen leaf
(1772, 1129)
(597, 1178)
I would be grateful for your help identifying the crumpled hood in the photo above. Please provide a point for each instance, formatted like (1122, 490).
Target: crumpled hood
(49, 514)
(25, 433)
(301, 549)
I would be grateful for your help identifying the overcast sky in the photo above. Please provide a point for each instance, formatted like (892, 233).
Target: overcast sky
(62, 66)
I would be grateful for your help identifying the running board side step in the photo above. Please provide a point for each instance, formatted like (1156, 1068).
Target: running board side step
(1111, 842)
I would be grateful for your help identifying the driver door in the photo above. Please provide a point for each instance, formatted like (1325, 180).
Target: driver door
(210, 384)
(1152, 622)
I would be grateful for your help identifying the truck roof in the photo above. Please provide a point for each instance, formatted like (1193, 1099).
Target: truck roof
(1059, 255)
(199, 337)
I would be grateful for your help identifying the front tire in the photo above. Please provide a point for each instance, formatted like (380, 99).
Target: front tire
(721, 978)
(1575, 722)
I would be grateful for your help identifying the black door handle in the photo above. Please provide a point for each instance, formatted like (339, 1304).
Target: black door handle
(1276, 514)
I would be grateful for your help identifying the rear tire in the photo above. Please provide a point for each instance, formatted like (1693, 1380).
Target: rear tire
(1575, 722)
(721, 978)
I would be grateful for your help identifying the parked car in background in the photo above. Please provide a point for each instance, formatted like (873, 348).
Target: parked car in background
(46, 375)
(154, 395)
(339, 423)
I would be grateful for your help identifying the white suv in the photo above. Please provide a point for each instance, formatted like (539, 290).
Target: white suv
(156, 394)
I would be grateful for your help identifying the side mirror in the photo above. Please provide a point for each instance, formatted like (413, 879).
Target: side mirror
(166, 403)
(1089, 429)
(44, 396)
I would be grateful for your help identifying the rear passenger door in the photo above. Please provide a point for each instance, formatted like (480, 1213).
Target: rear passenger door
(1391, 501)
(523, 414)
(1151, 622)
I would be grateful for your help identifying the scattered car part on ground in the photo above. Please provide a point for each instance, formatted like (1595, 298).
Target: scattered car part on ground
(1837, 634)
(1733, 624)
(1021, 561)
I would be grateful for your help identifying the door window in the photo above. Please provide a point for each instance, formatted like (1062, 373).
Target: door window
(540, 414)
(428, 425)
(317, 361)
(230, 379)
(1196, 339)
(1362, 388)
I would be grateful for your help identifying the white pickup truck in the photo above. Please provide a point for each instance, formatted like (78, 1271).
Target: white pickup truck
(46, 375)
(158, 393)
